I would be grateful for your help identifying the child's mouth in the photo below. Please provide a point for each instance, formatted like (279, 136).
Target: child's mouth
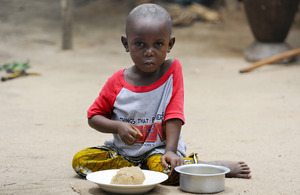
(149, 63)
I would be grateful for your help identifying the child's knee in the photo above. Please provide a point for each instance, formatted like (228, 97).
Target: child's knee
(154, 163)
(95, 159)
(81, 156)
(84, 161)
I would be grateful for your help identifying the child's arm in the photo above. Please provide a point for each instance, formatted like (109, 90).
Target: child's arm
(173, 128)
(127, 132)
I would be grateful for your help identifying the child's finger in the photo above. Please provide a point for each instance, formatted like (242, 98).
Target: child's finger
(138, 131)
(164, 163)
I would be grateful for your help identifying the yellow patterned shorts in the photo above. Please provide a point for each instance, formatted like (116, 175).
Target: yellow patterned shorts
(98, 158)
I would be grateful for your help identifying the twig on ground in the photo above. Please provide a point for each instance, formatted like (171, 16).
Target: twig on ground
(75, 189)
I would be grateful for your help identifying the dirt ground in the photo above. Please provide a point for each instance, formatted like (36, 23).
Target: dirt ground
(252, 117)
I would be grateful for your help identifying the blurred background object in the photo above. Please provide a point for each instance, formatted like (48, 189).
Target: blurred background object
(270, 22)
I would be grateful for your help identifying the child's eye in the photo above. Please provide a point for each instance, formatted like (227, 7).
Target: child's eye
(139, 44)
(159, 44)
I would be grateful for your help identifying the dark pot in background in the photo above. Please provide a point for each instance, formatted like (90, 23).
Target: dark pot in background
(270, 22)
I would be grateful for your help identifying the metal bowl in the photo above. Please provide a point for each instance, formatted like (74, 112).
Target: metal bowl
(202, 178)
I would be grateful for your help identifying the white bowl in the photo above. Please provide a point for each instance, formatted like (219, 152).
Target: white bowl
(202, 178)
(103, 178)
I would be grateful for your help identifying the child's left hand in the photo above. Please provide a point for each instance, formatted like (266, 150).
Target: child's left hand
(174, 160)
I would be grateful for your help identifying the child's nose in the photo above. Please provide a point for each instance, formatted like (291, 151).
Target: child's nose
(149, 52)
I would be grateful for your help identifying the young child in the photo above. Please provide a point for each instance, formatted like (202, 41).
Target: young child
(142, 106)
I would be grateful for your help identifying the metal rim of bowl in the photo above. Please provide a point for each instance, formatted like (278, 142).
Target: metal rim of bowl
(225, 170)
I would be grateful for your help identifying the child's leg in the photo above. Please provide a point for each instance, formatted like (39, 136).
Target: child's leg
(238, 169)
(96, 159)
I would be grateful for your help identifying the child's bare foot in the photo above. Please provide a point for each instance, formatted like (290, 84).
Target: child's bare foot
(237, 169)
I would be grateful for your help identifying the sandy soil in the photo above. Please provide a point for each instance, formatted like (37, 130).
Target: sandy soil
(252, 117)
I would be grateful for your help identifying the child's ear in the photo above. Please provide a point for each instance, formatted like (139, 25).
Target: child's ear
(125, 42)
(171, 43)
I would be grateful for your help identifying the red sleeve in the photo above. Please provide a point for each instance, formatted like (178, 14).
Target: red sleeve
(104, 103)
(175, 108)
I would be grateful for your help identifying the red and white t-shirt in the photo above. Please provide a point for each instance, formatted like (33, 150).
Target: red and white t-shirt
(146, 107)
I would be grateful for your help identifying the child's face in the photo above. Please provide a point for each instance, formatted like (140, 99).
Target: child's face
(148, 42)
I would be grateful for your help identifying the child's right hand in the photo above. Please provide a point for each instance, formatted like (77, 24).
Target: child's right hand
(128, 133)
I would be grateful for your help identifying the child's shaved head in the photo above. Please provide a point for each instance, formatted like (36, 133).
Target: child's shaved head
(149, 11)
